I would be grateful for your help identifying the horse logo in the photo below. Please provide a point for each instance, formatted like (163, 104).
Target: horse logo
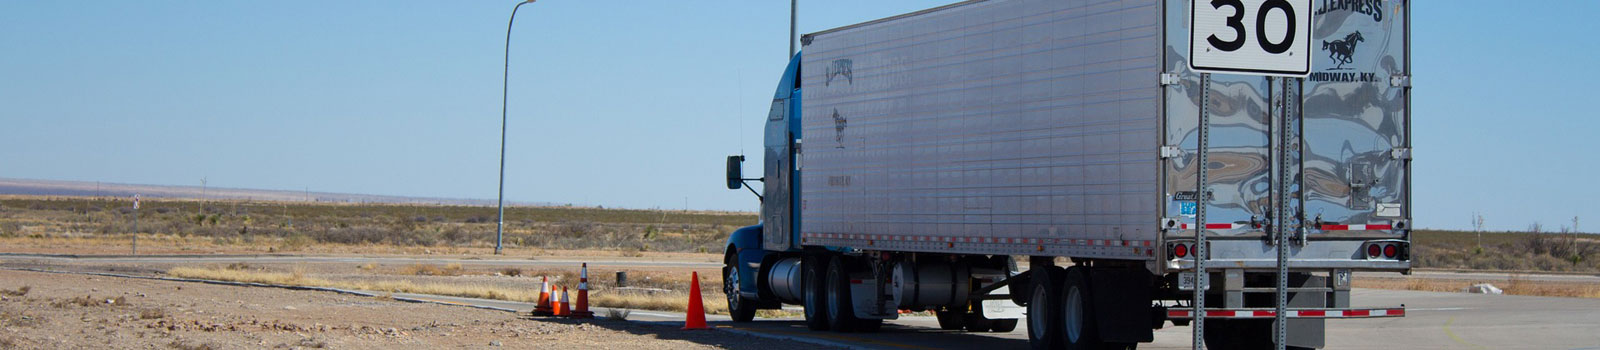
(838, 128)
(1342, 50)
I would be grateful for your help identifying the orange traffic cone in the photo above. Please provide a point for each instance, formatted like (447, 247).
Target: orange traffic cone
(696, 317)
(543, 307)
(555, 304)
(566, 306)
(583, 294)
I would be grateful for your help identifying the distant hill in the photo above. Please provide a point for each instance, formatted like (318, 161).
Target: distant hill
(84, 188)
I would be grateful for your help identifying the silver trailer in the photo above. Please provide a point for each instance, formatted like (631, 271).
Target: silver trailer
(939, 144)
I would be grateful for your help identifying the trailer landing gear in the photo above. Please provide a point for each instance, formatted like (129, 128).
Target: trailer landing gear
(955, 319)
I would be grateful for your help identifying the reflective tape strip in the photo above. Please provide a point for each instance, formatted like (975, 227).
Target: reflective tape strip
(1216, 226)
(1356, 227)
(995, 240)
(1302, 313)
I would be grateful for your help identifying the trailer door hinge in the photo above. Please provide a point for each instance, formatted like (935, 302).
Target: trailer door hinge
(1400, 80)
(1400, 153)
(1169, 79)
(1170, 152)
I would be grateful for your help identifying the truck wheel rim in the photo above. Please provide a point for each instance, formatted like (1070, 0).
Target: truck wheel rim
(1037, 322)
(732, 290)
(1072, 314)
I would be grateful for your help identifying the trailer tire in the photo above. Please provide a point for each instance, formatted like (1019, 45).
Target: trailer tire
(1044, 308)
(813, 266)
(1077, 312)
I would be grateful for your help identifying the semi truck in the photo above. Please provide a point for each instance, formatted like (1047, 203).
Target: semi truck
(1072, 163)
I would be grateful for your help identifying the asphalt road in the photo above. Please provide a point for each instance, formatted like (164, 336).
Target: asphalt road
(1433, 321)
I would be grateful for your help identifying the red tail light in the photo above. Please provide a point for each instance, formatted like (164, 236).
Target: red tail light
(1180, 251)
(1373, 250)
(1390, 250)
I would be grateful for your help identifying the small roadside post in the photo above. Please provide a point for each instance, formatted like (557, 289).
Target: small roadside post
(135, 224)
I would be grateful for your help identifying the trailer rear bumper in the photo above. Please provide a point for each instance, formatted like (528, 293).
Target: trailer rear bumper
(1290, 313)
(1187, 265)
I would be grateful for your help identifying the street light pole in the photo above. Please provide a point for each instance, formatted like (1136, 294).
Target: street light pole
(794, 9)
(505, 87)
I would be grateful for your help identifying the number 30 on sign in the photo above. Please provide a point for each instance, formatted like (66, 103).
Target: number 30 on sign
(1261, 37)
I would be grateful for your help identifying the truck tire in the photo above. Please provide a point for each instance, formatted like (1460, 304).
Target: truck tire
(1044, 308)
(1003, 325)
(1077, 312)
(740, 308)
(840, 306)
(950, 320)
(976, 322)
(812, 269)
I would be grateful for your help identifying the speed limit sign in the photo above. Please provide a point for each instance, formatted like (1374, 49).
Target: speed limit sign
(1262, 37)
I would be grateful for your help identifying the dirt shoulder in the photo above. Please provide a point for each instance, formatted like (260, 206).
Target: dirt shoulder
(59, 311)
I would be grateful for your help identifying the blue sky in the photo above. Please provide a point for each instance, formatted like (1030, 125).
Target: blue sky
(634, 103)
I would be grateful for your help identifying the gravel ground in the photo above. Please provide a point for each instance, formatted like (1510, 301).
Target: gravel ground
(63, 311)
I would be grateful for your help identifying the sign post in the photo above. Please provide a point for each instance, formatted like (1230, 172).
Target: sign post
(1253, 37)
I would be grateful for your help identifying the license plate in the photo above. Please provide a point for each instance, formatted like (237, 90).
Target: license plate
(1186, 280)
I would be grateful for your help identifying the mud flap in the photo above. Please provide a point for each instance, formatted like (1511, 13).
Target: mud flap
(1307, 332)
(1122, 306)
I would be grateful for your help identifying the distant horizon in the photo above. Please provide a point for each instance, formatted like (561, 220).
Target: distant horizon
(317, 196)
(490, 202)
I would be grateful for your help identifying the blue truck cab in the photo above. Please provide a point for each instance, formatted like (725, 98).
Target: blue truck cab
(750, 250)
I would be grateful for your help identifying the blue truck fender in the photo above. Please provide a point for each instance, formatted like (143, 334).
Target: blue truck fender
(744, 245)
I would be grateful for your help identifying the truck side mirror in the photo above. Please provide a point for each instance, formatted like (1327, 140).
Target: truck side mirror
(735, 172)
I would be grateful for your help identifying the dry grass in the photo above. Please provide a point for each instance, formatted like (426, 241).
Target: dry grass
(16, 293)
(1514, 286)
(665, 301)
(674, 301)
(453, 269)
(61, 224)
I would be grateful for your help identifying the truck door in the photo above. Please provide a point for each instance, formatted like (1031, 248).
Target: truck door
(1357, 125)
(1346, 152)
(776, 211)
